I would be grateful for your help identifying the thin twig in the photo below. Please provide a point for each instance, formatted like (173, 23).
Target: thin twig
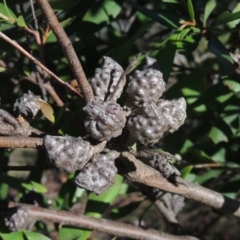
(20, 142)
(67, 47)
(23, 51)
(82, 221)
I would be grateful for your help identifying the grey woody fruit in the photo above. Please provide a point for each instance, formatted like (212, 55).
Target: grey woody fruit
(105, 80)
(27, 105)
(173, 202)
(159, 161)
(146, 85)
(17, 219)
(105, 120)
(99, 174)
(147, 124)
(67, 153)
(174, 112)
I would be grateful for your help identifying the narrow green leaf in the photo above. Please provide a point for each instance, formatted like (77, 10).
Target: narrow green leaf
(210, 5)
(34, 236)
(165, 57)
(47, 110)
(191, 10)
(226, 64)
(9, 12)
(12, 236)
(102, 11)
(225, 18)
(21, 22)
(232, 85)
(34, 186)
(217, 135)
(168, 20)
(233, 24)
(186, 171)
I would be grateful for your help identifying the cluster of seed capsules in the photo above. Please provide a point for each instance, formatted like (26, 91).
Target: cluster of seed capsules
(145, 114)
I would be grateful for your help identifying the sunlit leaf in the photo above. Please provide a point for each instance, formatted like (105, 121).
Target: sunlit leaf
(102, 11)
(47, 110)
(186, 171)
(191, 10)
(217, 135)
(34, 186)
(21, 22)
(232, 85)
(34, 236)
(209, 7)
(11, 236)
(7, 11)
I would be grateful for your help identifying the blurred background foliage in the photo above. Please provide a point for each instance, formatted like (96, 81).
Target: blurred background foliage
(196, 44)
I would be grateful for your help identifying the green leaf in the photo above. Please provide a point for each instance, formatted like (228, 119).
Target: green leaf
(102, 11)
(186, 171)
(165, 57)
(7, 14)
(209, 7)
(69, 233)
(34, 186)
(11, 236)
(225, 18)
(233, 24)
(233, 86)
(217, 135)
(200, 179)
(125, 210)
(191, 10)
(186, 40)
(166, 19)
(226, 64)
(8, 11)
(34, 236)
(47, 110)
(21, 22)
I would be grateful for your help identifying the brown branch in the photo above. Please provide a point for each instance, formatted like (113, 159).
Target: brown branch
(28, 55)
(139, 172)
(68, 50)
(20, 142)
(103, 225)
